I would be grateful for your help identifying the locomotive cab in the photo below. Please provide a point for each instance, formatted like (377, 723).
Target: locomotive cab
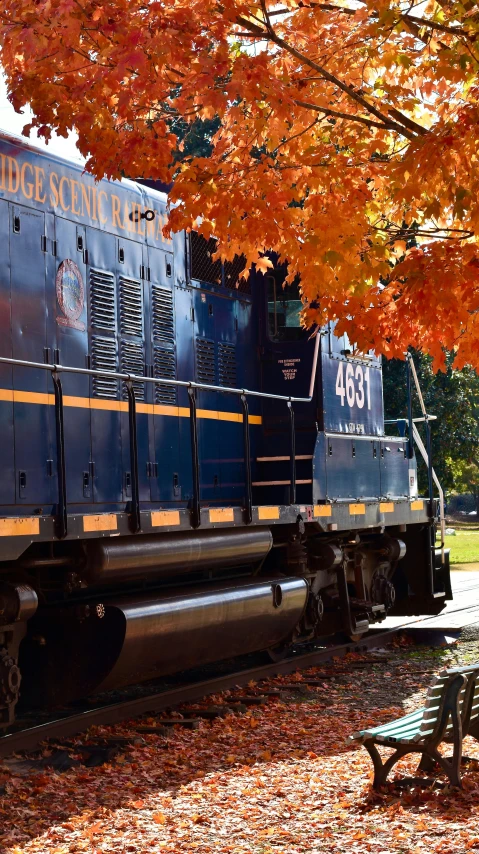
(359, 481)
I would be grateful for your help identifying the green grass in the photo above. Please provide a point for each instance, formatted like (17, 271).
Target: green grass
(464, 546)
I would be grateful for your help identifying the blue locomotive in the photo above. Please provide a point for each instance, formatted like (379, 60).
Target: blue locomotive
(187, 474)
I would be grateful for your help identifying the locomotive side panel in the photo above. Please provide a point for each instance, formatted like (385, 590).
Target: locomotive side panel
(161, 300)
(67, 307)
(7, 462)
(183, 485)
(29, 339)
(352, 388)
(104, 307)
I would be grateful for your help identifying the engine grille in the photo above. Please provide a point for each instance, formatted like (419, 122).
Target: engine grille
(164, 367)
(163, 320)
(131, 307)
(233, 270)
(205, 361)
(102, 300)
(132, 361)
(103, 358)
(214, 272)
(202, 265)
(227, 364)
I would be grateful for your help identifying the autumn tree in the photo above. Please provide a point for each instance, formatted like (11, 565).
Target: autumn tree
(345, 128)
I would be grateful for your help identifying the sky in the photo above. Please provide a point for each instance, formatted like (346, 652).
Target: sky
(12, 122)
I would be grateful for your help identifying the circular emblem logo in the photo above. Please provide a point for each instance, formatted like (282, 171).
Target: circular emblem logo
(70, 295)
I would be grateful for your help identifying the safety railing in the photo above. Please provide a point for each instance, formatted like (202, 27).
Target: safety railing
(426, 453)
(192, 389)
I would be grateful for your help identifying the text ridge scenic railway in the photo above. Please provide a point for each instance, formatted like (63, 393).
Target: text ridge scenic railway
(187, 475)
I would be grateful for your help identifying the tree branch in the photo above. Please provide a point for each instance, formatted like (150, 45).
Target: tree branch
(348, 116)
(443, 28)
(402, 128)
(327, 7)
(408, 123)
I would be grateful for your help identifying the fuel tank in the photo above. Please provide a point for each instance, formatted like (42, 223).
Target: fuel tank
(123, 558)
(132, 639)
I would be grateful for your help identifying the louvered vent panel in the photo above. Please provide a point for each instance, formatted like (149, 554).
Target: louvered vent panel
(103, 358)
(227, 364)
(202, 265)
(205, 361)
(162, 314)
(233, 270)
(102, 300)
(131, 307)
(133, 362)
(164, 367)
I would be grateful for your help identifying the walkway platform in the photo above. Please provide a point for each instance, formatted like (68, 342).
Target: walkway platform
(463, 611)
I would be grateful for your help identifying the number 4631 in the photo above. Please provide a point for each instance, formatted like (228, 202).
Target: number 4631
(353, 384)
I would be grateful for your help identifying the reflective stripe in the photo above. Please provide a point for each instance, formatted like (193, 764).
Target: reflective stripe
(386, 507)
(19, 527)
(162, 518)
(268, 512)
(322, 510)
(357, 509)
(417, 505)
(15, 396)
(222, 514)
(102, 522)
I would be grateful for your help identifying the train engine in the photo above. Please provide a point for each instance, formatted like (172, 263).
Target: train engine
(187, 474)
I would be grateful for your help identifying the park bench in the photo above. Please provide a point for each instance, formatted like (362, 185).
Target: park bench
(450, 713)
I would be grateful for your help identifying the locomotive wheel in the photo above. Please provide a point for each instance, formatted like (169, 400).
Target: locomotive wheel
(278, 653)
(344, 637)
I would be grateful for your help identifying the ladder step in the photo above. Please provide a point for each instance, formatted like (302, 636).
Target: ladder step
(283, 459)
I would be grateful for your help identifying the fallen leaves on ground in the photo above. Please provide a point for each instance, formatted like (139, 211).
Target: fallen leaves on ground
(279, 778)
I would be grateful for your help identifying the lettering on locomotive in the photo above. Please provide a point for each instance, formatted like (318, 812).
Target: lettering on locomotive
(81, 199)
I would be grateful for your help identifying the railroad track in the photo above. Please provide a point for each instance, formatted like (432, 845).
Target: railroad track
(71, 722)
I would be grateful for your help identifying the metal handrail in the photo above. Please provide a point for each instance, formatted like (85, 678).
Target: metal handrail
(93, 372)
(192, 387)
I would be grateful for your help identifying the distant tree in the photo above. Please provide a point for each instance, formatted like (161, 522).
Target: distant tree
(453, 396)
(195, 139)
(466, 479)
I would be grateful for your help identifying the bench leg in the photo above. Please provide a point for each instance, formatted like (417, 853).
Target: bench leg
(452, 767)
(427, 763)
(474, 729)
(382, 769)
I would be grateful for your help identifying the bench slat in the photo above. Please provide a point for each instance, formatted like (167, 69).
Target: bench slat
(413, 717)
(400, 729)
(410, 734)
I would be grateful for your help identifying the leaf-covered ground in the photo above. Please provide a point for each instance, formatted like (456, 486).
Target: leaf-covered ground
(276, 779)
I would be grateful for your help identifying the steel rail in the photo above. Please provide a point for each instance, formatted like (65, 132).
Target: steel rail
(29, 737)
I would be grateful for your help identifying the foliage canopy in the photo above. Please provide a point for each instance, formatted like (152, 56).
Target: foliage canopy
(347, 143)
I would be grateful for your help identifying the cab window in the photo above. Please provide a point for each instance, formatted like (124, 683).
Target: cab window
(284, 310)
